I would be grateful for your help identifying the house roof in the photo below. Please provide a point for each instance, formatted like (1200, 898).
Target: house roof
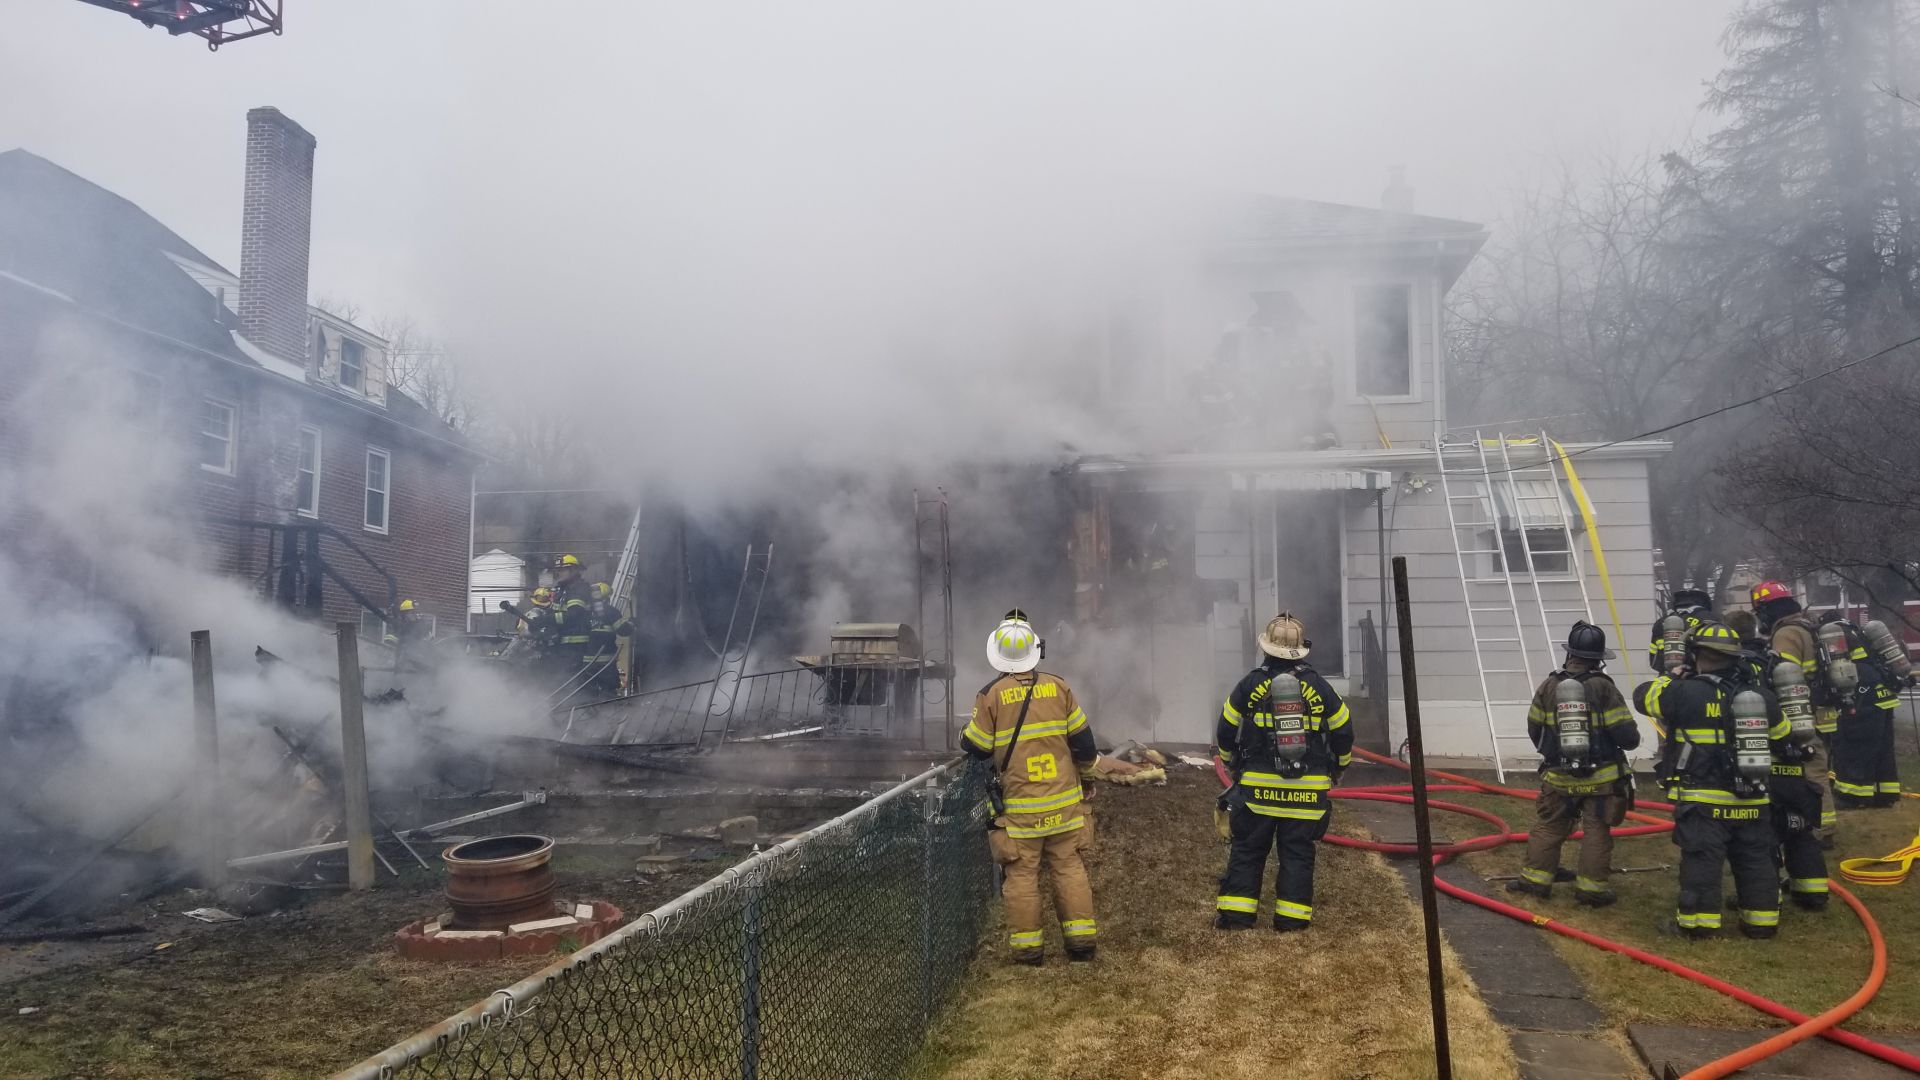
(1258, 226)
(74, 240)
(72, 236)
(1271, 218)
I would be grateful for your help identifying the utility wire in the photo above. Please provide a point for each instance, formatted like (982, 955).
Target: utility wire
(1775, 392)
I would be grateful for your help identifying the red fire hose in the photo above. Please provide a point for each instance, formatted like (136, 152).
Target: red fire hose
(1805, 1027)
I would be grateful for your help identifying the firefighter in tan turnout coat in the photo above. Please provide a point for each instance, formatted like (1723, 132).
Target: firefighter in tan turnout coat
(1032, 734)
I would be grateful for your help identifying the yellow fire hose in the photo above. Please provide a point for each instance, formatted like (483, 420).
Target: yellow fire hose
(1887, 869)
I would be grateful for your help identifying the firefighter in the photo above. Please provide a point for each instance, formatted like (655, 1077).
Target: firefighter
(1038, 747)
(1691, 607)
(1284, 735)
(1790, 636)
(536, 622)
(1793, 791)
(572, 611)
(1583, 732)
(610, 626)
(1853, 702)
(1723, 736)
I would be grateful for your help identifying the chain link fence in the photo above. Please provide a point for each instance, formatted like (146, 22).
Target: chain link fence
(828, 955)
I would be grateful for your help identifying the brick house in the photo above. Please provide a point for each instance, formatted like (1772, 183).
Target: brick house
(292, 442)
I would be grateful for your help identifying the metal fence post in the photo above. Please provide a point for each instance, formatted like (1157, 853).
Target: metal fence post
(929, 891)
(752, 927)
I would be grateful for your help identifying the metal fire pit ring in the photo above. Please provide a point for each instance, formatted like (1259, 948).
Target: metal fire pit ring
(497, 881)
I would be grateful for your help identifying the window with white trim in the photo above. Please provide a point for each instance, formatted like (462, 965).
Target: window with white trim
(353, 365)
(1533, 517)
(1383, 340)
(306, 484)
(379, 489)
(216, 436)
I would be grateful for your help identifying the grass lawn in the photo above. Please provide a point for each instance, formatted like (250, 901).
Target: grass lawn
(301, 994)
(1817, 960)
(1172, 997)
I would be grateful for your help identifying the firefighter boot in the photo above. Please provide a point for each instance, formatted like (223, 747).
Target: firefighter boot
(1595, 898)
(1530, 888)
(1029, 957)
(1081, 956)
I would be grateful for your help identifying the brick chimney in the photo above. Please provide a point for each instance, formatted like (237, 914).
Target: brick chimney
(275, 227)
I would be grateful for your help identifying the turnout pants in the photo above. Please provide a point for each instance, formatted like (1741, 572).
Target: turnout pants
(1712, 836)
(1819, 770)
(1059, 856)
(1796, 812)
(1254, 834)
(1864, 770)
(1555, 816)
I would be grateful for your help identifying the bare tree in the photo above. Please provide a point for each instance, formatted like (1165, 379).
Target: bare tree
(1589, 315)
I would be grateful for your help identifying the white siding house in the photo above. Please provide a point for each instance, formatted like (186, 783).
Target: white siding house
(1315, 340)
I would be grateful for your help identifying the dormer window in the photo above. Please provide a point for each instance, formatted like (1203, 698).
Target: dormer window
(353, 366)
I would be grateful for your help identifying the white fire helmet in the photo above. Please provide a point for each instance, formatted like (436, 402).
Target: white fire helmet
(1013, 647)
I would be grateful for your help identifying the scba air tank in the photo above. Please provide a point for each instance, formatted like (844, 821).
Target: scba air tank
(1836, 655)
(1573, 723)
(1752, 756)
(1673, 643)
(1289, 710)
(1891, 650)
(1796, 700)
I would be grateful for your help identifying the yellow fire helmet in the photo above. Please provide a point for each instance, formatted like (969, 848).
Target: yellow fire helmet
(543, 596)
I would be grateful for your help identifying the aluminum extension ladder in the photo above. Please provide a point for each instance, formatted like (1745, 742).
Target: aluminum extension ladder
(738, 644)
(1551, 594)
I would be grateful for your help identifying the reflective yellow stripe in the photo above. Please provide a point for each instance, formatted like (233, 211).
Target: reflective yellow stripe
(1231, 715)
(1269, 810)
(1702, 921)
(1248, 904)
(1893, 703)
(1829, 816)
(1078, 928)
(1076, 720)
(1537, 877)
(1538, 715)
(1320, 782)
(1338, 719)
(1778, 731)
(1809, 885)
(1225, 754)
(1038, 804)
(1858, 791)
(1619, 714)
(1653, 695)
(1760, 918)
(1604, 777)
(1030, 832)
(1703, 736)
(1031, 731)
(1718, 797)
(1029, 939)
(1343, 760)
(1890, 787)
(1587, 884)
(1303, 912)
(977, 737)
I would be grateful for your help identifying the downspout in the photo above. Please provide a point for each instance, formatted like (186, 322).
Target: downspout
(473, 502)
(1386, 676)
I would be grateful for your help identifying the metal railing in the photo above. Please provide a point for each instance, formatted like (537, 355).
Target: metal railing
(874, 702)
(828, 955)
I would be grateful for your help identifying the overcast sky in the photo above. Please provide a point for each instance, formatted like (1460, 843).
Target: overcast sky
(440, 123)
(698, 218)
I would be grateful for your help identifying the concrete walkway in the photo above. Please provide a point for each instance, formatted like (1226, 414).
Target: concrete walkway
(1556, 1032)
